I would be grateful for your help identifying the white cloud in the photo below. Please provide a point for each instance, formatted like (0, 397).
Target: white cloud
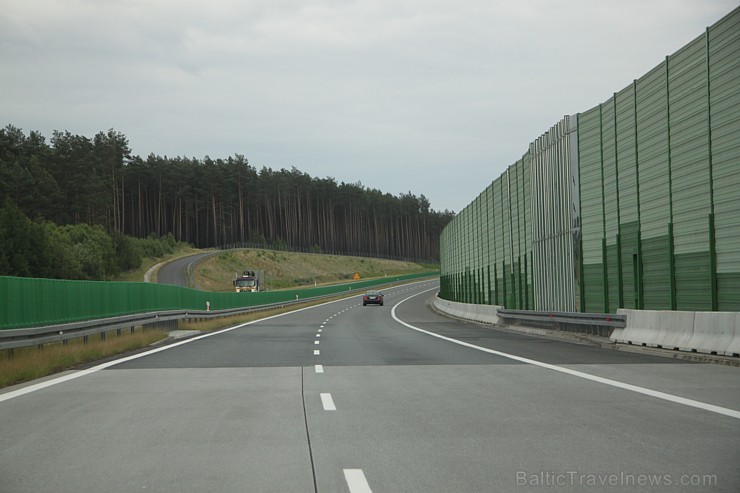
(436, 97)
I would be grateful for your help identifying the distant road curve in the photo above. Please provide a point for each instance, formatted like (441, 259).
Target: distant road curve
(177, 271)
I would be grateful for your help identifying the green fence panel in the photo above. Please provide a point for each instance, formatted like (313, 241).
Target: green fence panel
(728, 287)
(655, 191)
(611, 203)
(488, 238)
(480, 214)
(613, 277)
(609, 156)
(592, 219)
(527, 221)
(626, 155)
(656, 273)
(592, 208)
(498, 239)
(593, 278)
(693, 281)
(652, 145)
(516, 234)
(690, 175)
(629, 242)
(628, 192)
(474, 245)
(724, 74)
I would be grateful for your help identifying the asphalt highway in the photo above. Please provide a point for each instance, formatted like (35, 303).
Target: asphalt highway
(175, 271)
(346, 398)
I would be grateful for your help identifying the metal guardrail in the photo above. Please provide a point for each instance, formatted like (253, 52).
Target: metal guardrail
(600, 324)
(38, 336)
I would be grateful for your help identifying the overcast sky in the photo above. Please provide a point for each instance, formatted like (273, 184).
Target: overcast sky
(436, 97)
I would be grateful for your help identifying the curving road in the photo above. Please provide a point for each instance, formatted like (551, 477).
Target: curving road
(175, 271)
(341, 397)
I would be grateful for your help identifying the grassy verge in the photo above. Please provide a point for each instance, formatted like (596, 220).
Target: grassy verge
(30, 363)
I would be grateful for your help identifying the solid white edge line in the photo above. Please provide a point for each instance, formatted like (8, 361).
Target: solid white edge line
(606, 381)
(356, 481)
(327, 402)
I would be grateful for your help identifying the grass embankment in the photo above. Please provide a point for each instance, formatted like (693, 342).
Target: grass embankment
(289, 270)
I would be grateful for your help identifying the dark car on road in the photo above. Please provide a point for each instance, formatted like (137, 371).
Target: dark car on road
(372, 298)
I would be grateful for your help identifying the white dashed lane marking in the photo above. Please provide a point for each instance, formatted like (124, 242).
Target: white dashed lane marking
(356, 481)
(327, 402)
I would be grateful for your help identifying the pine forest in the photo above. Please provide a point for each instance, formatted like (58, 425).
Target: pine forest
(207, 202)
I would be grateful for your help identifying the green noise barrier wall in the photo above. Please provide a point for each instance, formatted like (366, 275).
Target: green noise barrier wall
(633, 204)
(35, 302)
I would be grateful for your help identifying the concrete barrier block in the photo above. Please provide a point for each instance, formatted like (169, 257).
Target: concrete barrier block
(489, 314)
(441, 304)
(733, 345)
(494, 314)
(483, 314)
(733, 349)
(450, 307)
(714, 332)
(676, 329)
(641, 329)
(662, 336)
(479, 313)
(457, 309)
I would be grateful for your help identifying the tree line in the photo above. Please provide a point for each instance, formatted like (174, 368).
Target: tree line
(208, 202)
(73, 251)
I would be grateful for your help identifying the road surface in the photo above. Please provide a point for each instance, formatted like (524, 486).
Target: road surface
(175, 271)
(342, 397)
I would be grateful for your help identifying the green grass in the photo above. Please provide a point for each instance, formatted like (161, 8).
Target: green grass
(290, 270)
(25, 364)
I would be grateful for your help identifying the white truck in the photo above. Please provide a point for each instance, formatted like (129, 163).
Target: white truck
(248, 282)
